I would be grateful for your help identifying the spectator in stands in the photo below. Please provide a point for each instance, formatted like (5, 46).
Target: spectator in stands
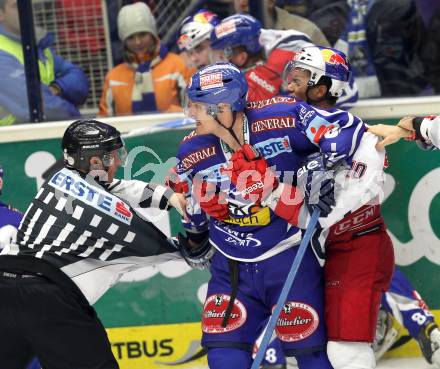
(64, 86)
(281, 19)
(79, 24)
(430, 12)
(151, 78)
(383, 39)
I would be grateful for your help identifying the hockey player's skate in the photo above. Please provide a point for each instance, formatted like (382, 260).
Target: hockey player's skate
(386, 334)
(429, 342)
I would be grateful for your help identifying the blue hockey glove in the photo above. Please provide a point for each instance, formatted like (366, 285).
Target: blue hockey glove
(318, 184)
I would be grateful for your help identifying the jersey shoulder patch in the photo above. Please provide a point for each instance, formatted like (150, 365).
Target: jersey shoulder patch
(189, 136)
(75, 187)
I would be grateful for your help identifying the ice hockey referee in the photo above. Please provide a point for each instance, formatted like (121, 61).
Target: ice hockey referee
(77, 238)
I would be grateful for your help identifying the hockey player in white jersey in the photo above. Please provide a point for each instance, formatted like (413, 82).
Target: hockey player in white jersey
(359, 253)
(77, 238)
(424, 130)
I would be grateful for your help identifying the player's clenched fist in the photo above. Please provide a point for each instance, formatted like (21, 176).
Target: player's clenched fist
(250, 174)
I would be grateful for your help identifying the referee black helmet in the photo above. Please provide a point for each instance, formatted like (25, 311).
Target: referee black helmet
(87, 138)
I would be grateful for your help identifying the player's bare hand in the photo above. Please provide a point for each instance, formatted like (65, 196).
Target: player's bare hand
(390, 134)
(406, 123)
(178, 201)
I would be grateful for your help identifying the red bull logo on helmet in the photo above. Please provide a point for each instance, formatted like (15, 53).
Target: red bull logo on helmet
(204, 17)
(183, 41)
(332, 57)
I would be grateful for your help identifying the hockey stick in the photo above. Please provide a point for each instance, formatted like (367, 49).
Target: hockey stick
(286, 288)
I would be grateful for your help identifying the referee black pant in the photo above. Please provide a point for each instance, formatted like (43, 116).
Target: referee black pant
(37, 318)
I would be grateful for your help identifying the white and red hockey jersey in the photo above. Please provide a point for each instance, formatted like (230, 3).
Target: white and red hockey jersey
(360, 185)
(430, 131)
(358, 194)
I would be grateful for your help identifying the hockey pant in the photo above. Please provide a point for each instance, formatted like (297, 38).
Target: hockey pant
(358, 269)
(300, 327)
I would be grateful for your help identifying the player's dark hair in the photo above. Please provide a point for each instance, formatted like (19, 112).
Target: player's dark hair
(327, 82)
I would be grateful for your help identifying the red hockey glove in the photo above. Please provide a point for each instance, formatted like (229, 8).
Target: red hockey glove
(251, 175)
(212, 201)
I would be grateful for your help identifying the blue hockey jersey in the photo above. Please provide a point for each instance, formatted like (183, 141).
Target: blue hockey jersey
(285, 131)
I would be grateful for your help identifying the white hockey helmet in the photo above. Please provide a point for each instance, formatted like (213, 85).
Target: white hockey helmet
(196, 29)
(322, 61)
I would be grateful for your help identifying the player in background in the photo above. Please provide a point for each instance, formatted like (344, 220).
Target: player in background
(262, 55)
(280, 19)
(424, 130)
(402, 299)
(10, 219)
(253, 223)
(359, 253)
(194, 39)
(238, 39)
(404, 303)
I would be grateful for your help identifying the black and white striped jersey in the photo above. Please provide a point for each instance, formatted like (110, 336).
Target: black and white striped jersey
(92, 233)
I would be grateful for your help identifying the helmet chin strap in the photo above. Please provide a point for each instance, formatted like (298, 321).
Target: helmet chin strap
(231, 128)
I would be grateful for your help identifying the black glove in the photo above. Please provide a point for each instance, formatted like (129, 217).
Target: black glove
(197, 257)
(317, 183)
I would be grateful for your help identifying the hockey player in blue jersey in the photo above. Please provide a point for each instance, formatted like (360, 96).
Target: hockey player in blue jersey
(9, 219)
(253, 223)
(404, 303)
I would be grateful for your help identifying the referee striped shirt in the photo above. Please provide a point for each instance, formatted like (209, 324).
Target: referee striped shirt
(91, 232)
